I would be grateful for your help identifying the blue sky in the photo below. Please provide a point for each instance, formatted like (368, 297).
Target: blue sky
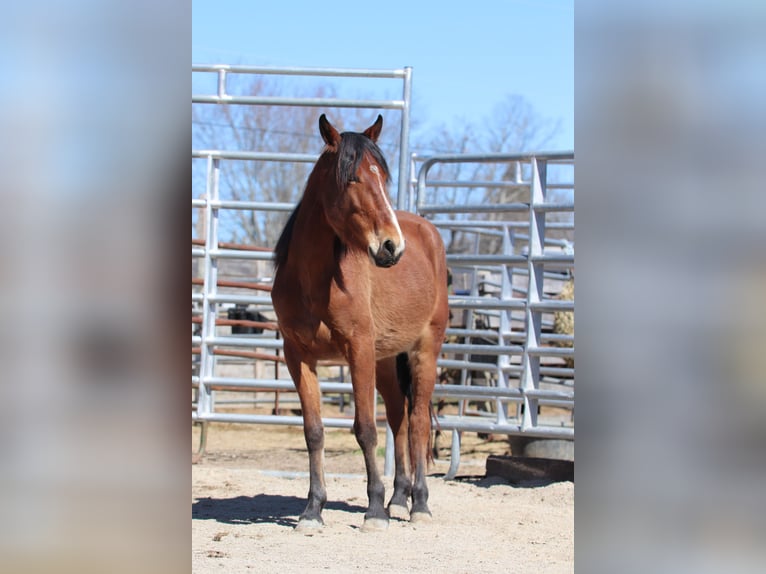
(466, 58)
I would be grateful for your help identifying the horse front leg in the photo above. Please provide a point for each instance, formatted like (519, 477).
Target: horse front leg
(423, 369)
(362, 367)
(306, 383)
(391, 391)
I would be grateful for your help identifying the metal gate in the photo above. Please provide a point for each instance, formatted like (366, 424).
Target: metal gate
(506, 365)
(496, 374)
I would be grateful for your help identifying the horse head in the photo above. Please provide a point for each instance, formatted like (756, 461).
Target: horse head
(355, 200)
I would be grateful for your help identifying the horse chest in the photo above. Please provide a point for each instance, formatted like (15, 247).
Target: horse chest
(330, 337)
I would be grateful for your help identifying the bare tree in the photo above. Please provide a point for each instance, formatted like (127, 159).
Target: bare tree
(512, 127)
(452, 141)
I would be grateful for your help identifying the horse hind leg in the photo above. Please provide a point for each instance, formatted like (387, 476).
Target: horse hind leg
(389, 375)
(423, 369)
(306, 383)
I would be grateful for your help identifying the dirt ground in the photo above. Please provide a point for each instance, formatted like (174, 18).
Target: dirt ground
(250, 488)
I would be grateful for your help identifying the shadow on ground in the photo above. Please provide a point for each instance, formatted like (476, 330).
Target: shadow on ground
(259, 509)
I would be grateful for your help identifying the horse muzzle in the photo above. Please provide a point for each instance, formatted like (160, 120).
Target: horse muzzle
(386, 255)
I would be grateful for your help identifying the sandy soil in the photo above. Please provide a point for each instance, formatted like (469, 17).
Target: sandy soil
(248, 491)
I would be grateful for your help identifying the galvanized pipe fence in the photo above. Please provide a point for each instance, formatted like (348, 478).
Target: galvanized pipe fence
(503, 370)
(510, 290)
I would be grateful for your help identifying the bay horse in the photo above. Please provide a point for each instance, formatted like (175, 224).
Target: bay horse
(360, 283)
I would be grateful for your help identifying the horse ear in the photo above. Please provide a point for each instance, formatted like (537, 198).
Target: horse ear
(329, 134)
(374, 130)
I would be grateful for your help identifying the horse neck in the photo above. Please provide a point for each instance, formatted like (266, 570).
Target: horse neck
(313, 236)
(312, 205)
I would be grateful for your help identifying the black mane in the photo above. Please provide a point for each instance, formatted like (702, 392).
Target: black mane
(283, 243)
(352, 148)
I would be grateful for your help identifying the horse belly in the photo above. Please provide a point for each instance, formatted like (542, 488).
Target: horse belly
(392, 342)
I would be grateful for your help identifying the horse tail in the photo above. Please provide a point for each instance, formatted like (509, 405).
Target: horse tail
(404, 376)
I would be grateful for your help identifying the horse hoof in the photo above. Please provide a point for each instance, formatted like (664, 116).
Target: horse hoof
(375, 525)
(398, 511)
(421, 518)
(309, 525)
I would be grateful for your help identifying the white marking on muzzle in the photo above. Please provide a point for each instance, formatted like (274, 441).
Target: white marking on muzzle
(382, 190)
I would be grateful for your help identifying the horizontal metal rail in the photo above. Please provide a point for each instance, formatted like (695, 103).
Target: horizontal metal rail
(440, 390)
(242, 299)
(302, 71)
(237, 254)
(262, 342)
(498, 224)
(480, 259)
(249, 205)
(477, 366)
(448, 347)
(267, 419)
(305, 102)
(462, 348)
(255, 155)
(466, 424)
(494, 208)
(492, 184)
(450, 423)
(565, 157)
(482, 349)
(486, 303)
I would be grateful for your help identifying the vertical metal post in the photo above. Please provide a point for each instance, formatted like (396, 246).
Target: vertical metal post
(221, 83)
(511, 272)
(504, 328)
(388, 464)
(518, 173)
(530, 379)
(403, 199)
(454, 461)
(209, 287)
(412, 190)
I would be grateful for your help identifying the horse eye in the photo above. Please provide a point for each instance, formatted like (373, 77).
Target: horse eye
(353, 179)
